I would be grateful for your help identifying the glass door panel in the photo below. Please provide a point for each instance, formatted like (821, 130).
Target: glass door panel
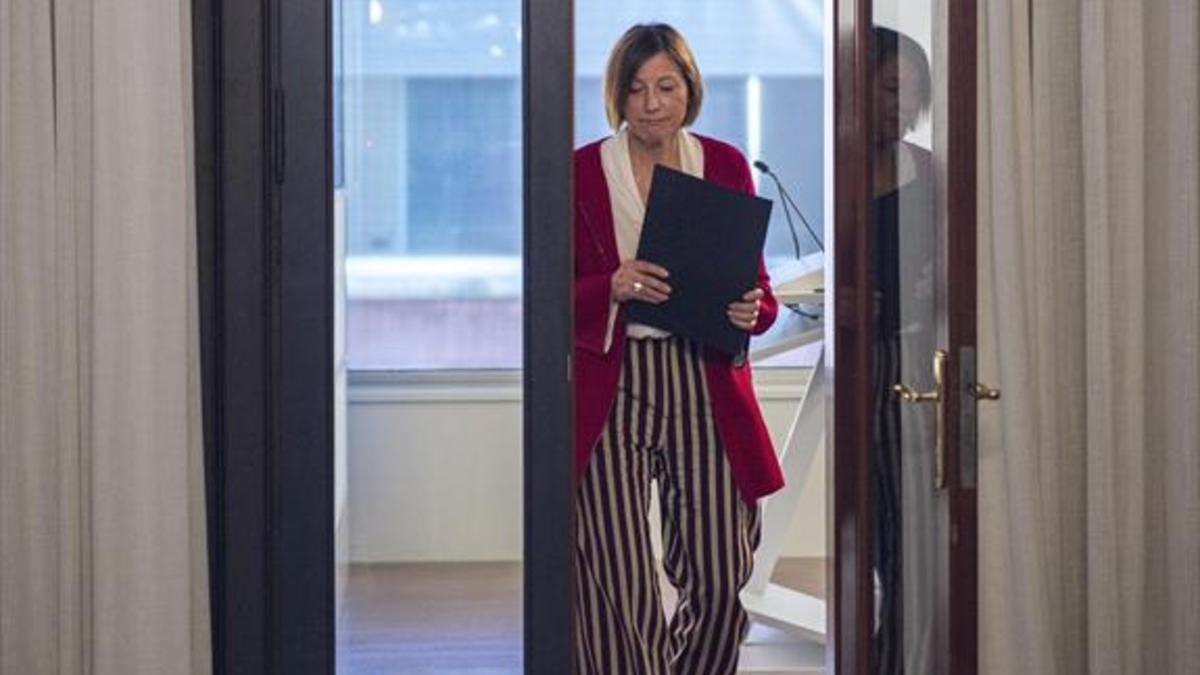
(428, 194)
(921, 284)
(763, 67)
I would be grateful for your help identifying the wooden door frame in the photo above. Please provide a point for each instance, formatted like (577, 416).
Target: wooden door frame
(262, 78)
(848, 351)
(962, 631)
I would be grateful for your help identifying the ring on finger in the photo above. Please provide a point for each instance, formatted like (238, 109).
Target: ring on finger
(638, 286)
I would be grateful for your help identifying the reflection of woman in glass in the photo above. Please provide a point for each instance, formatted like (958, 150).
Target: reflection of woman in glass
(655, 406)
(901, 274)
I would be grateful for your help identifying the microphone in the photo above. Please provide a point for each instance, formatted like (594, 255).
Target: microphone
(787, 200)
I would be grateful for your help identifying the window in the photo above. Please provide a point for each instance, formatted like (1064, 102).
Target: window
(429, 164)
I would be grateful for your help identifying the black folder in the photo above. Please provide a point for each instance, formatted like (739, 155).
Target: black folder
(710, 238)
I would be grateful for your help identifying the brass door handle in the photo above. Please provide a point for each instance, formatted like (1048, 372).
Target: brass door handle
(910, 395)
(938, 396)
(982, 392)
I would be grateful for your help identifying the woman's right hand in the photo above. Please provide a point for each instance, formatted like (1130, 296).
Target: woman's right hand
(640, 280)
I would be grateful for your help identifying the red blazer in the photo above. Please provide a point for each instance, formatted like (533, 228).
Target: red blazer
(735, 409)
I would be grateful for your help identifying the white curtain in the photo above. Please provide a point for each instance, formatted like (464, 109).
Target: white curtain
(1090, 324)
(103, 564)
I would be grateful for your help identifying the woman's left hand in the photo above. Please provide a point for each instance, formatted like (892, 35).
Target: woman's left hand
(744, 314)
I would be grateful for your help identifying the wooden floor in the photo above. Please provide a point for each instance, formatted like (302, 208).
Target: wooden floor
(465, 618)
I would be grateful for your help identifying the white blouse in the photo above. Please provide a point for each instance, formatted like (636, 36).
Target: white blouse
(629, 211)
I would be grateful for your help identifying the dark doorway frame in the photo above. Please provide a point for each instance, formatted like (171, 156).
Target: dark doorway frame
(264, 215)
(548, 86)
(264, 179)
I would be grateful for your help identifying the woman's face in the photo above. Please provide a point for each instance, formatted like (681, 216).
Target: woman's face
(897, 101)
(657, 100)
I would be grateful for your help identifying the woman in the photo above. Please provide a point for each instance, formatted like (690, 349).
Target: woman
(655, 406)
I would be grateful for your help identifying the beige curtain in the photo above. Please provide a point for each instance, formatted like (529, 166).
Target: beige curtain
(102, 539)
(1090, 323)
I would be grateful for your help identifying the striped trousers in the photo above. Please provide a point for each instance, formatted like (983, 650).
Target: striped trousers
(661, 428)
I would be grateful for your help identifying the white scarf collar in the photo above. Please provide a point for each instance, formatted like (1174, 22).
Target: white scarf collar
(627, 207)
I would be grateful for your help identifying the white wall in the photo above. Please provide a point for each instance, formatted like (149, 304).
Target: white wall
(435, 465)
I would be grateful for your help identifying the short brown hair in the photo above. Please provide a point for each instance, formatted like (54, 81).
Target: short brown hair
(892, 44)
(638, 45)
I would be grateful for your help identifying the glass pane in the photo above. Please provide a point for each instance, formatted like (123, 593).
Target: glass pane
(762, 63)
(427, 105)
(904, 239)
(430, 155)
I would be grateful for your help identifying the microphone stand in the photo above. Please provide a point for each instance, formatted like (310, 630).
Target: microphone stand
(787, 201)
(786, 212)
